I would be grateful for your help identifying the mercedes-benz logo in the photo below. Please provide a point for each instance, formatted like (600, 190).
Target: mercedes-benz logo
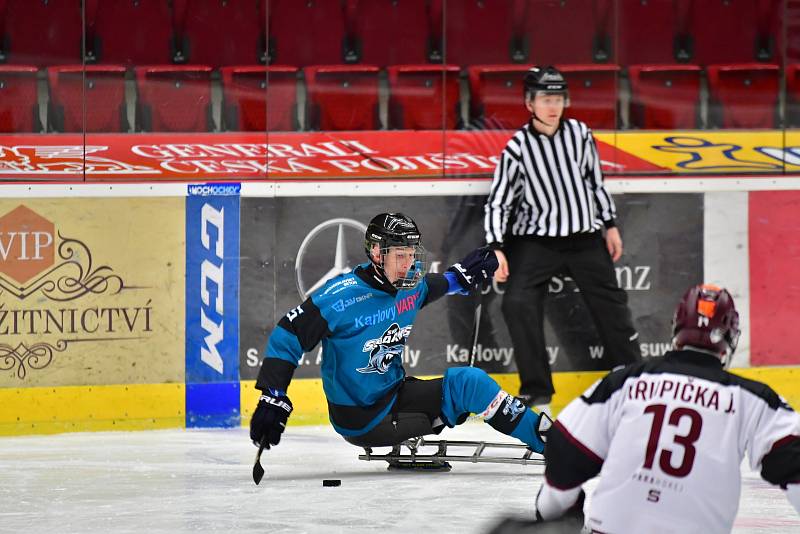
(340, 261)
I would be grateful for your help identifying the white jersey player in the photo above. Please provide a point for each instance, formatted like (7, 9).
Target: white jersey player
(668, 436)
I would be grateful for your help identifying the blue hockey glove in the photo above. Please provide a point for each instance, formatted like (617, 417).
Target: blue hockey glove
(269, 419)
(475, 270)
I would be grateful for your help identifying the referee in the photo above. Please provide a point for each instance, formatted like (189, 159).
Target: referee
(545, 215)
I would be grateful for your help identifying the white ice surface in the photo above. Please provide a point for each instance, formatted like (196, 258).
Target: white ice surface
(200, 481)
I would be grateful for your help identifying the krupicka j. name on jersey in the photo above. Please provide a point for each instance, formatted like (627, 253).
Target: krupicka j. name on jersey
(647, 388)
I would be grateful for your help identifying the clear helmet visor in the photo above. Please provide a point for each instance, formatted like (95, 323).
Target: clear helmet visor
(532, 95)
(404, 267)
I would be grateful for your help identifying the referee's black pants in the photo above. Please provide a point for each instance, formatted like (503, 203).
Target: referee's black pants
(532, 262)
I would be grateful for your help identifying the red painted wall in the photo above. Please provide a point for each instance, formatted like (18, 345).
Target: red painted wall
(774, 222)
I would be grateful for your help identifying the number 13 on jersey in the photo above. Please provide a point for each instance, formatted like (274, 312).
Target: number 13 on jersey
(681, 441)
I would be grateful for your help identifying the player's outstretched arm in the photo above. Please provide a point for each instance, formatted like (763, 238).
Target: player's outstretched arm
(472, 272)
(781, 466)
(773, 444)
(568, 466)
(576, 447)
(475, 270)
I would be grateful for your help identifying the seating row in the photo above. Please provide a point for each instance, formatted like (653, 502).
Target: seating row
(391, 32)
(346, 97)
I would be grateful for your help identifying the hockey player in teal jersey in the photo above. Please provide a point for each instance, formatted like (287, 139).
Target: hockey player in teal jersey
(363, 320)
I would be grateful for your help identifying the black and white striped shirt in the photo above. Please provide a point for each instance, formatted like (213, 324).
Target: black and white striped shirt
(548, 186)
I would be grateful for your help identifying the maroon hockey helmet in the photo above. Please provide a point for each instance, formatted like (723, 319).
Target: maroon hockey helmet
(706, 319)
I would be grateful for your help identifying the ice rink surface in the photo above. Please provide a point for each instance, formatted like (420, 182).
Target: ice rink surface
(200, 481)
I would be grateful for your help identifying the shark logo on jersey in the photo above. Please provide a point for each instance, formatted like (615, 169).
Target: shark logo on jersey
(383, 350)
(381, 357)
(514, 407)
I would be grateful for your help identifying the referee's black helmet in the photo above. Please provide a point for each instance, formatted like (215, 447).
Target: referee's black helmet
(547, 80)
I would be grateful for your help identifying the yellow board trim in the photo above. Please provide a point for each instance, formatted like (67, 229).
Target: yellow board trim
(308, 400)
(310, 406)
(49, 410)
(784, 380)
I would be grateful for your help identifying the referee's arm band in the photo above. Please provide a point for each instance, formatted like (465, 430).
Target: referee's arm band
(495, 246)
(611, 223)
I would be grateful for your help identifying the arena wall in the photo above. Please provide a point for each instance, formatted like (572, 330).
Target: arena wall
(129, 306)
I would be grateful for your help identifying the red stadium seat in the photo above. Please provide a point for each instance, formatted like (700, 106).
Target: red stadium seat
(129, 32)
(35, 32)
(100, 88)
(664, 96)
(793, 95)
(19, 107)
(559, 31)
(260, 98)
(744, 95)
(423, 97)
(388, 32)
(291, 22)
(496, 99)
(592, 94)
(653, 31)
(477, 31)
(342, 97)
(222, 32)
(174, 98)
(735, 31)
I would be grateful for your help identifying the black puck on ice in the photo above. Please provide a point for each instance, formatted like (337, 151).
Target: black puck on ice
(331, 482)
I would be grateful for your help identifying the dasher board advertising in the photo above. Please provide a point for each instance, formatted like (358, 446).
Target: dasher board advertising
(91, 291)
(212, 305)
(314, 239)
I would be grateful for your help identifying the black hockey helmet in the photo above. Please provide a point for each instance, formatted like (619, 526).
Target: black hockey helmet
(391, 230)
(396, 230)
(706, 319)
(547, 80)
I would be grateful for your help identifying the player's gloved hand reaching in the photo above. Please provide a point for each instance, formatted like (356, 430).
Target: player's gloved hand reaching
(476, 269)
(571, 522)
(269, 419)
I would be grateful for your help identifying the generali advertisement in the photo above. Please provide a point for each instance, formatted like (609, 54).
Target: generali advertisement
(322, 237)
(91, 291)
(383, 154)
(294, 156)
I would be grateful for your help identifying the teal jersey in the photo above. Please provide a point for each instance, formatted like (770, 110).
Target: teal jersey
(363, 328)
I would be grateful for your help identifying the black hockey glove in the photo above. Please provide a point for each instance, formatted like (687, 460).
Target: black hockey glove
(476, 269)
(269, 419)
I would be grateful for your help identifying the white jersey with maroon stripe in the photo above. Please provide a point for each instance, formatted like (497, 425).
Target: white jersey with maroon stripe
(670, 437)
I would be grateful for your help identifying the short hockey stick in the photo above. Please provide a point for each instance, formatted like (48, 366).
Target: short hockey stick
(258, 471)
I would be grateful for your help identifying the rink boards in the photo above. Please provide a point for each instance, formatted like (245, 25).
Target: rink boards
(148, 306)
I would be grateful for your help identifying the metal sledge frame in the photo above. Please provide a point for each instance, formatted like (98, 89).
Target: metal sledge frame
(439, 459)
